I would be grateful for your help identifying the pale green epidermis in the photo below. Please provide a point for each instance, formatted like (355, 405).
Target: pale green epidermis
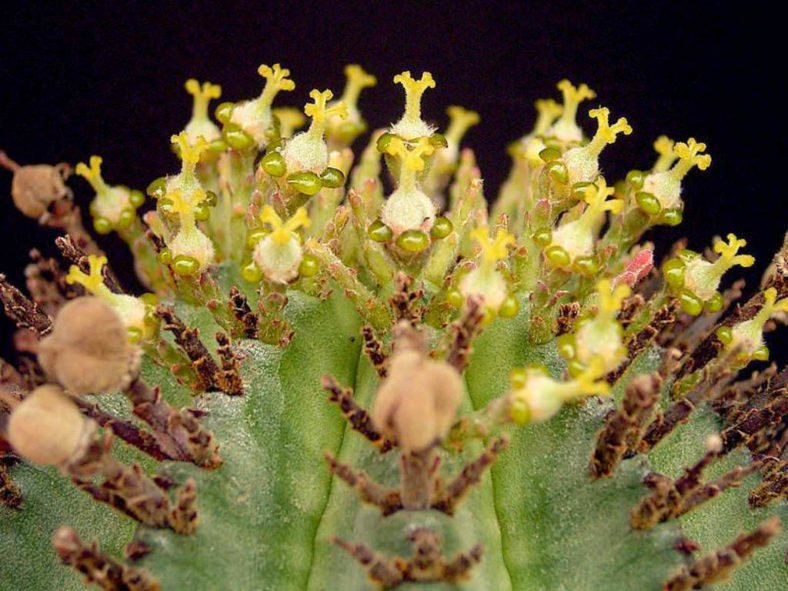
(267, 514)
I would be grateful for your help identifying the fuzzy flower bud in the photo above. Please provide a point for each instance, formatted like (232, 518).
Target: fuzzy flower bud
(132, 311)
(578, 237)
(695, 281)
(535, 396)
(583, 162)
(418, 402)
(408, 207)
(748, 335)
(255, 116)
(200, 125)
(411, 126)
(280, 253)
(46, 427)
(343, 130)
(598, 340)
(88, 350)
(666, 185)
(112, 207)
(485, 280)
(307, 151)
(566, 128)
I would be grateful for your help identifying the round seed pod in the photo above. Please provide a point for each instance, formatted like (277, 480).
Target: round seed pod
(46, 427)
(417, 404)
(88, 350)
(35, 187)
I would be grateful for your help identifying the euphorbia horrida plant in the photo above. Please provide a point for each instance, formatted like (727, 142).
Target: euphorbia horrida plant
(341, 381)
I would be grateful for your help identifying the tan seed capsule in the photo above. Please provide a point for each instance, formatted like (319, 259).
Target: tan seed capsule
(88, 350)
(418, 403)
(36, 186)
(46, 427)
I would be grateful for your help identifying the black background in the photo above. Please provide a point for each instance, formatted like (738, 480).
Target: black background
(78, 79)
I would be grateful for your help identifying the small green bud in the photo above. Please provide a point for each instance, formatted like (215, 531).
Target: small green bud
(332, 178)
(673, 270)
(438, 141)
(237, 138)
(725, 334)
(309, 266)
(519, 412)
(102, 225)
(543, 236)
(690, 303)
(379, 232)
(185, 265)
(413, 241)
(251, 272)
(454, 297)
(558, 172)
(201, 212)
(648, 202)
(224, 111)
(383, 142)
(636, 178)
(550, 154)
(165, 256)
(307, 183)
(274, 164)
(566, 345)
(715, 303)
(586, 265)
(157, 188)
(211, 199)
(136, 198)
(441, 228)
(125, 218)
(671, 217)
(510, 307)
(557, 255)
(255, 236)
(578, 191)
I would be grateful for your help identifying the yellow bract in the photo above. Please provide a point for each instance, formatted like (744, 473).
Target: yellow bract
(606, 133)
(610, 298)
(414, 89)
(91, 281)
(276, 78)
(493, 250)
(573, 96)
(412, 158)
(186, 205)
(92, 174)
(202, 93)
(728, 250)
(596, 197)
(319, 111)
(189, 154)
(664, 147)
(547, 111)
(284, 231)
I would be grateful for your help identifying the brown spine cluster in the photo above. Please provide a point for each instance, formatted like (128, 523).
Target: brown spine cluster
(718, 566)
(99, 568)
(623, 428)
